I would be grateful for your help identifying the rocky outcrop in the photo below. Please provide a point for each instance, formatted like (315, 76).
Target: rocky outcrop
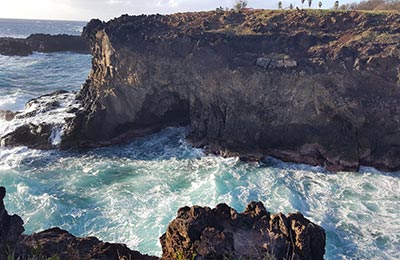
(55, 243)
(7, 115)
(223, 233)
(11, 227)
(41, 124)
(43, 43)
(310, 87)
(196, 233)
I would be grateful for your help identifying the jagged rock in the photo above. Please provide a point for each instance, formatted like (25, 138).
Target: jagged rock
(58, 43)
(11, 46)
(223, 233)
(31, 135)
(40, 124)
(193, 68)
(11, 228)
(42, 43)
(60, 243)
(7, 115)
(196, 232)
(55, 242)
(271, 63)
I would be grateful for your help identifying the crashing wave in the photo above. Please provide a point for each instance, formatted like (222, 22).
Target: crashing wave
(42, 123)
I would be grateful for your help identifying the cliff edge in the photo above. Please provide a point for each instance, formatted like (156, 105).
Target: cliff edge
(316, 87)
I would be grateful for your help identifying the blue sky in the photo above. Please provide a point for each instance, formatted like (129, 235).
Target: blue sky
(106, 9)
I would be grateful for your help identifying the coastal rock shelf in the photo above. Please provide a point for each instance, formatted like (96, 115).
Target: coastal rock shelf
(311, 87)
(42, 43)
(198, 233)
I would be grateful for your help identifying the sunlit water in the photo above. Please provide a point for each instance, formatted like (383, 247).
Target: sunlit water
(129, 193)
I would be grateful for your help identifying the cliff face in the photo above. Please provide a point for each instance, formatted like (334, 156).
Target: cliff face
(314, 87)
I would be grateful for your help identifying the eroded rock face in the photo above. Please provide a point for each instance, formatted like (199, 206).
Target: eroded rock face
(42, 43)
(223, 233)
(317, 89)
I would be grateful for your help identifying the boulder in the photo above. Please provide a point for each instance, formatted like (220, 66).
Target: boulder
(223, 233)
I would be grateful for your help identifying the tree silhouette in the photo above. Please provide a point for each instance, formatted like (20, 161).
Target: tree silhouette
(320, 4)
(280, 4)
(309, 3)
(291, 6)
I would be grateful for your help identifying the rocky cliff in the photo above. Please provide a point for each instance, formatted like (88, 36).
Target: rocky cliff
(315, 87)
(197, 233)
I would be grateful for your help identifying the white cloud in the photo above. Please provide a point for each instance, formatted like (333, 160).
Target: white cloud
(171, 3)
(113, 2)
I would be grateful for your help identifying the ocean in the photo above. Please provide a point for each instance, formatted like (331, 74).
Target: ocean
(129, 193)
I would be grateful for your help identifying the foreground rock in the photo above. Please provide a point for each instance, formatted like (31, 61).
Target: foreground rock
(311, 87)
(196, 233)
(223, 233)
(43, 43)
(11, 227)
(55, 243)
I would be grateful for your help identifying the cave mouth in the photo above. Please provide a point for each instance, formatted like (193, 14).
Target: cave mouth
(158, 113)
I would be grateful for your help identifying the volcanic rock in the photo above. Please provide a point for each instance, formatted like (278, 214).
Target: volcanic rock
(11, 228)
(55, 243)
(42, 43)
(223, 233)
(310, 87)
(7, 115)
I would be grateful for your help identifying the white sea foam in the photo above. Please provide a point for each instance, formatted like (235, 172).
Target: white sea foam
(51, 109)
(130, 193)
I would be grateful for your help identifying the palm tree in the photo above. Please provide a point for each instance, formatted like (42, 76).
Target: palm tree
(280, 5)
(320, 4)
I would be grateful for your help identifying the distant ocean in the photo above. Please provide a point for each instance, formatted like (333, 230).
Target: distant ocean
(129, 193)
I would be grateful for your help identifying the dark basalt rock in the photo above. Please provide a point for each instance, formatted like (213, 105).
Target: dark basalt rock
(31, 135)
(60, 243)
(7, 115)
(55, 242)
(57, 43)
(196, 233)
(14, 47)
(43, 43)
(223, 233)
(311, 88)
(28, 128)
(11, 227)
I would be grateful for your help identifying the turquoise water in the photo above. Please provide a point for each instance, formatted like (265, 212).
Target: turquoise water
(129, 193)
